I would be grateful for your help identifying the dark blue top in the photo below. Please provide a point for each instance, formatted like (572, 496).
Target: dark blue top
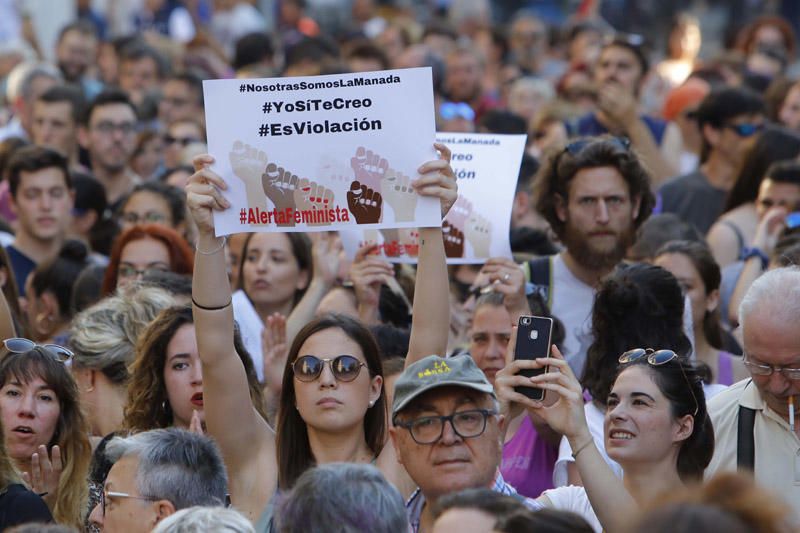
(588, 125)
(22, 265)
(18, 505)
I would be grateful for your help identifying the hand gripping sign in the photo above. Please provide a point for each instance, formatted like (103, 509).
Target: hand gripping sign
(477, 226)
(324, 152)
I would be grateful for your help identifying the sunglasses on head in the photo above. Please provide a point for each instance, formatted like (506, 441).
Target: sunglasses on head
(745, 130)
(344, 367)
(576, 147)
(454, 110)
(658, 358)
(20, 345)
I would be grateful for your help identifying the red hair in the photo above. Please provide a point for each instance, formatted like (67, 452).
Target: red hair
(181, 258)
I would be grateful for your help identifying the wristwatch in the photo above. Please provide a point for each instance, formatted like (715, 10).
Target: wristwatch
(747, 253)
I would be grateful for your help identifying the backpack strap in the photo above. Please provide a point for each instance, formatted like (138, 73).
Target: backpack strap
(539, 273)
(745, 439)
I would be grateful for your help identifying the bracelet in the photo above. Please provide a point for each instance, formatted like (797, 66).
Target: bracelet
(579, 450)
(215, 250)
(204, 308)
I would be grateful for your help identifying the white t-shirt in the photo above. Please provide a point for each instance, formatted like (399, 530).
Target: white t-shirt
(594, 419)
(229, 26)
(575, 500)
(572, 304)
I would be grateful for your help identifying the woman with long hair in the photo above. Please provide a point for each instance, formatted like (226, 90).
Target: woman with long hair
(142, 248)
(655, 426)
(637, 305)
(332, 401)
(45, 431)
(166, 379)
(699, 277)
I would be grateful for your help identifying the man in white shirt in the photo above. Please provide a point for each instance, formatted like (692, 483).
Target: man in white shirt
(594, 194)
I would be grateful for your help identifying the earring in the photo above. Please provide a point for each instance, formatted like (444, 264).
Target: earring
(371, 403)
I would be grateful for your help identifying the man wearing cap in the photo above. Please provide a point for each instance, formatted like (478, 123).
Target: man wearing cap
(448, 433)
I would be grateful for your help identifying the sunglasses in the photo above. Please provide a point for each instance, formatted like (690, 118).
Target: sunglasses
(344, 367)
(453, 110)
(745, 130)
(658, 358)
(20, 345)
(576, 147)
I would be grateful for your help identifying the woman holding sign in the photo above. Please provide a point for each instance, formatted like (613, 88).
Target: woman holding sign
(257, 460)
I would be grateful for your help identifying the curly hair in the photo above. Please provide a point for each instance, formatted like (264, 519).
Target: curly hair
(72, 429)
(637, 306)
(148, 406)
(552, 182)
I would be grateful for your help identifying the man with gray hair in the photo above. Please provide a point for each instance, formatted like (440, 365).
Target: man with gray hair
(355, 497)
(26, 83)
(756, 424)
(155, 474)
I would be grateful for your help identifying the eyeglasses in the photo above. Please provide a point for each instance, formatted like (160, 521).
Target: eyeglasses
(56, 351)
(745, 130)
(309, 367)
(126, 128)
(454, 110)
(106, 493)
(130, 271)
(465, 424)
(761, 369)
(151, 217)
(184, 141)
(658, 358)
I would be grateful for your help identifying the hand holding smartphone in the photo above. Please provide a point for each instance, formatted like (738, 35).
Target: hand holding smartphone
(534, 336)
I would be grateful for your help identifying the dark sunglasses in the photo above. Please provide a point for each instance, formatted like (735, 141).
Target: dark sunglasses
(745, 130)
(20, 345)
(658, 358)
(185, 141)
(344, 367)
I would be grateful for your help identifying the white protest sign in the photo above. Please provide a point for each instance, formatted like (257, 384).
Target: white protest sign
(324, 152)
(477, 226)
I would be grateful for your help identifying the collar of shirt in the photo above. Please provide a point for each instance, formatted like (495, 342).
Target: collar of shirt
(416, 502)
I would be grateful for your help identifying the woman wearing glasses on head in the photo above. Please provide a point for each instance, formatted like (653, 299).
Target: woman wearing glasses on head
(332, 405)
(656, 427)
(44, 429)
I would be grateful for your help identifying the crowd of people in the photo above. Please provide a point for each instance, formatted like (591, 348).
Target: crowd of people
(157, 377)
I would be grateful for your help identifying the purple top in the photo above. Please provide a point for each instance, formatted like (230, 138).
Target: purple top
(528, 461)
(725, 376)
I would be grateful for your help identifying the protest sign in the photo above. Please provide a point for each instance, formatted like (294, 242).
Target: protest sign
(324, 152)
(477, 226)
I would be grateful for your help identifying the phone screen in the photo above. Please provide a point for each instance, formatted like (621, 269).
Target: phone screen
(534, 335)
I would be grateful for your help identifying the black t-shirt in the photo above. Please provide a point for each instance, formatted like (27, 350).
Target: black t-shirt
(694, 199)
(18, 505)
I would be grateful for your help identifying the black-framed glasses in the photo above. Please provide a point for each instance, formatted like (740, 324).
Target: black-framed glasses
(184, 141)
(658, 358)
(746, 129)
(104, 494)
(429, 429)
(344, 367)
(22, 345)
(130, 271)
(763, 369)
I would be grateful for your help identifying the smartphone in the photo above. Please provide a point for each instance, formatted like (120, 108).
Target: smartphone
(793, 220)
(534, 335)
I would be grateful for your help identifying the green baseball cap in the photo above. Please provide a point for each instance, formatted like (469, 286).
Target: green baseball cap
(433, 372)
